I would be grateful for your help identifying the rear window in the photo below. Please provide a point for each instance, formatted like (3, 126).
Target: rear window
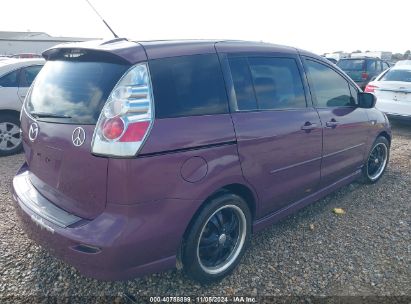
(397, 75)
(76, 91)
(351, 64)
(10, 79)
(188, 85)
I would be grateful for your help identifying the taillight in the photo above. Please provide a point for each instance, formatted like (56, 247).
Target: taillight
(370, 88)
(113, 128)
(364, 75)
(126, 117)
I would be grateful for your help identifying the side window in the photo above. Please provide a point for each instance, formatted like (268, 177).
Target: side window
(277, 83)
(385, 66)
(28, 74)
(243, 85)
(329, 87)
(188, 85)
(10, 80)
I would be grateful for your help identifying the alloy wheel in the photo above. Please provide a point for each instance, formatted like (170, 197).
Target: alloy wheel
(10, 137)
(221, 239)
(377, 161)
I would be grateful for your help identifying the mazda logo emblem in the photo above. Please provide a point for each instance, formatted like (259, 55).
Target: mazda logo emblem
(33, 131)
(78, 137)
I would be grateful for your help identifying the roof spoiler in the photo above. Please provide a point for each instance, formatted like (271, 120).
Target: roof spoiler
(118, 50)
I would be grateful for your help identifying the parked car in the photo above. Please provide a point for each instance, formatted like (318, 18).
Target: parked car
(403, 62)
(362, 70)
(144, 156)
(16, 77)
(393, 91)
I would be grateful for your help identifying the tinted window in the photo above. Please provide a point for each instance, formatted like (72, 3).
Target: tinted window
(28, 74)
(188, 85)
(277, 83)
(330, 88)
(351, 64)
(385, 65)
(243, 86)
(397, 75)
(75, 89)
(371, 66)
(10, 79)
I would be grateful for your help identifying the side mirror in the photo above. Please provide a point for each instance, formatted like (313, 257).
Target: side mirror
(366, 100)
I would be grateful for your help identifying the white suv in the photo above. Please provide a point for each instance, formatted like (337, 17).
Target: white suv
(16, 76)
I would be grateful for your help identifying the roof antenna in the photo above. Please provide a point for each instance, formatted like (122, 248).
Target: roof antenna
(115, 35)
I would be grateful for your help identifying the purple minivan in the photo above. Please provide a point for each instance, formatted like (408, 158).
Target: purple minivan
(143, 156)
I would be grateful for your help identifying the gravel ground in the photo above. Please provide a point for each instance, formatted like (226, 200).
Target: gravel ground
(366, 251)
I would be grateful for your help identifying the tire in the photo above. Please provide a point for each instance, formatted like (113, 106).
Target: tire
(10, 136)
(377, 161)
(217, 239)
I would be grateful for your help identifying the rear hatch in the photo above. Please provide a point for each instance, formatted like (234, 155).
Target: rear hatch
(353, 68)
(58, 121)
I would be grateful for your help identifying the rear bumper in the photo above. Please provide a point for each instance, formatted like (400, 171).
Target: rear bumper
(394, 109)
(125, 241)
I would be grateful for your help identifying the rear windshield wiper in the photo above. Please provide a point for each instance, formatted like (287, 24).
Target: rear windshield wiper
(48, 115)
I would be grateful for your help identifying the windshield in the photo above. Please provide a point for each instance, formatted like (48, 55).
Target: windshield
(397, 75)
(72, 92)
(351, 64)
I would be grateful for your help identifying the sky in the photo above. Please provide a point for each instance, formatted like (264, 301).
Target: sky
(313, 25)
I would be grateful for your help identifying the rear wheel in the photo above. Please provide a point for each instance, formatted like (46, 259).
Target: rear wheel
(377, 160)
(217, 239)
(10, 137)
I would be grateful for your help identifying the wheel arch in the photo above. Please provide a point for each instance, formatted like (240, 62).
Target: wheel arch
(386, 135)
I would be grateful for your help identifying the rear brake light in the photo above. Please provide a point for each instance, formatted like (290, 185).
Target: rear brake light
(364, 75)
(135, 131)
(126, 117)
(370, 88)
(113, 128)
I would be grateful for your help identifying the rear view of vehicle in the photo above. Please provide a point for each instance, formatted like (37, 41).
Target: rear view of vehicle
(362, 70)
(393, 91)
(85, 105)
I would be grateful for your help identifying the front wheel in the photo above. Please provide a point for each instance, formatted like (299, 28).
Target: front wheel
(377, 160)
(217, 238)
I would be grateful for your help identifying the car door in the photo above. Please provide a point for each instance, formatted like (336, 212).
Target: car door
(26, 78)
(8, 91)
(278, 134)
(345, 126)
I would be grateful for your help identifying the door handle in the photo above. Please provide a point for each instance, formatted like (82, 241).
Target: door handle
(308, 126)
(332, 123)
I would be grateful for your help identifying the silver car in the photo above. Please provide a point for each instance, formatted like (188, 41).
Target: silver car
(16, 76)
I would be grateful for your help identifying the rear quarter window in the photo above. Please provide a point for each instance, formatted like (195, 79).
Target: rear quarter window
(188, 86)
